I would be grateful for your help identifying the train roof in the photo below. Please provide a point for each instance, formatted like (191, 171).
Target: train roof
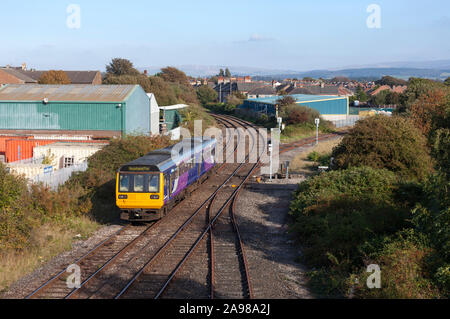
(161, 160)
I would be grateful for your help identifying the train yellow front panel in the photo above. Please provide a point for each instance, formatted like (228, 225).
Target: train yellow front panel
(139, 200)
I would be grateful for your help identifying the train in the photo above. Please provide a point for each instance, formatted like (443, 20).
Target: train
(148, 187)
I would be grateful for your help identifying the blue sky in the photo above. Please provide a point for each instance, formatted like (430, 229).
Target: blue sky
(283, 34)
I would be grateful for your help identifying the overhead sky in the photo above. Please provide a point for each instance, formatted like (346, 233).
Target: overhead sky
(276, 34)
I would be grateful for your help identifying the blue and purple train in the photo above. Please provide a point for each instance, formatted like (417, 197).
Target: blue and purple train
(148, 187)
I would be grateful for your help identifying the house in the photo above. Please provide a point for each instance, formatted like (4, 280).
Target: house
(395, 89)
(223, 90)
(20, 75)
(261, 92)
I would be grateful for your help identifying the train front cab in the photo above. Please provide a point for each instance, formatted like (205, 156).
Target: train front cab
(140, 195)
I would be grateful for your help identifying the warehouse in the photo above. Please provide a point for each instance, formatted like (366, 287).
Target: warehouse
(98, 111)
(330, 107)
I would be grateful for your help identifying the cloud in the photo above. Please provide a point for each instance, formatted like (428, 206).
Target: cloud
(255, 37)
(258, 38)
(443, 21)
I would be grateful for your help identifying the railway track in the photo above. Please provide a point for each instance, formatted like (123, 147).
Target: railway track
(102, 267)
(181, 268)
(196, 251)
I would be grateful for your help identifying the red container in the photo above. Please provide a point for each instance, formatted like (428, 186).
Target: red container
(17, 150)
(3, 140)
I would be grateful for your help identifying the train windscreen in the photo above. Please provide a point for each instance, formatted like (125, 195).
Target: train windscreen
(138, 183)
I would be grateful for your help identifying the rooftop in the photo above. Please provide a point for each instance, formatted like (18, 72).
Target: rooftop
(71, 92)
(300, 98)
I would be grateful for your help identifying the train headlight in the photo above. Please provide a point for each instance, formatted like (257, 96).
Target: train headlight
(123, 196)
(154, 196)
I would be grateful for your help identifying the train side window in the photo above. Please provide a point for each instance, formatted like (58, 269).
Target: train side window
(153, 183)
(124, 183)
(138, 183)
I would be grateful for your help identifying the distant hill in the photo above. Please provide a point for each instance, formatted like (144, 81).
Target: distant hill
(367, 74)
(359, 73)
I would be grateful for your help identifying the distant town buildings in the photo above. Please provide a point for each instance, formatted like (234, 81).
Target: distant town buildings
(21, 75)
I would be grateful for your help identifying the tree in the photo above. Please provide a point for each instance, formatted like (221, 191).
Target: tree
(447, 81)
(361, 95)
(308, 79)
(54, 77)
(171, 74)
(392, 98)
(227, 73)
(416, 88)
(139, 79)
(286, 100)
(431, 111)
(163, 91)
(340, 79)
(380, 98)
(221, 73)
(120, 66)
(391, 81)
(387, 142)
(206, 95)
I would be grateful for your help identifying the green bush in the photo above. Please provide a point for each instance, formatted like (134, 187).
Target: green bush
(380, 141)
(431, 218)
(16, 215)
(337, 211)
(322, 159)
(403, 261)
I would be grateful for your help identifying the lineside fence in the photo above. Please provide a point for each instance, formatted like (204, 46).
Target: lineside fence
(348, 121)
(55, 178)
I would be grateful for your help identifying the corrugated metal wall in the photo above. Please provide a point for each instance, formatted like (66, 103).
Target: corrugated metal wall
(137, 112)
(336, 106)
(59, 116)
(329, 107)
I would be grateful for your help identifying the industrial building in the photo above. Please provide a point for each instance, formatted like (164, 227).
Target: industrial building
(330, 107)
(98, 111)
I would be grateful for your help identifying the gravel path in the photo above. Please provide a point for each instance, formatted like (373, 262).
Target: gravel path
(263, 221)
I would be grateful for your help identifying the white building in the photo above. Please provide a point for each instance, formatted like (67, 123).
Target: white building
(154, 114)
(63, 154)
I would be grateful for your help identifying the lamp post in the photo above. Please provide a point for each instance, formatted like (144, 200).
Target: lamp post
(270, 158)
(317, 131)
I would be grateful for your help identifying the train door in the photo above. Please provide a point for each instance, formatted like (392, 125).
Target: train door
(166, 186)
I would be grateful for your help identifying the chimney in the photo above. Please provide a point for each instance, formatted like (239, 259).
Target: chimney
(24, 66)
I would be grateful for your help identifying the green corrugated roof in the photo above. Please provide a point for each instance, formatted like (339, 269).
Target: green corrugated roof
(70, 92)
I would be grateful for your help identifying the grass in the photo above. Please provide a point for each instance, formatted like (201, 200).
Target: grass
(48, 240)
(296, 132)
(301, 163)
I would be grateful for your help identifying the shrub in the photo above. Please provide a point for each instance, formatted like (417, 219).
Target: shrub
(393, 143)
(337, 211)
(195, 112)
(206, 95)
(298, 114)
(430, 110)
(404, 274)
(16, 216)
